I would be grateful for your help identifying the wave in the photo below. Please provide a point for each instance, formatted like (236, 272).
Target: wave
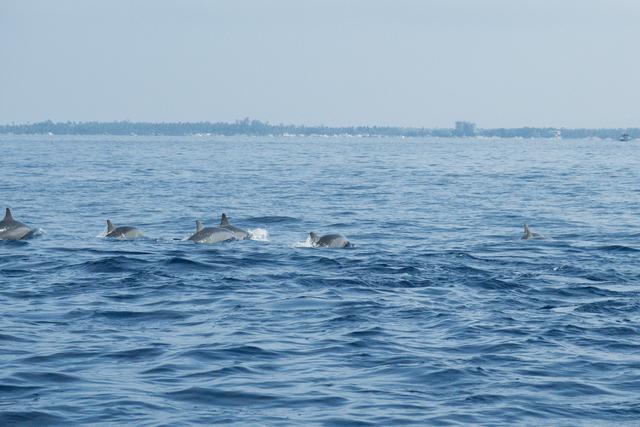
(616, 248)
(115, 264)
(274, 219)
(30, 418)
(141, 316)
(177, 261)
(220, 397)
(136, 354)
(13, 338)
(17, 243)
(16, 391)
(47, 377)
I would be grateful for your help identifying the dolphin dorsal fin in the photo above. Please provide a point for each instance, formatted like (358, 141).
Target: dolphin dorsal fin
(7, 215)
(110, 226)
(314, 237)
(199, 225)
(224, 220)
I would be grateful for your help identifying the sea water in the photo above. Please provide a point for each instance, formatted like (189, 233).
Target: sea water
(438, 315)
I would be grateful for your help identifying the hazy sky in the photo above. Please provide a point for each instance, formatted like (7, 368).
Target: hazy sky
(335, 62)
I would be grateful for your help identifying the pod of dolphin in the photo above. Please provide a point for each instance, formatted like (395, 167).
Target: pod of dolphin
(10, 229)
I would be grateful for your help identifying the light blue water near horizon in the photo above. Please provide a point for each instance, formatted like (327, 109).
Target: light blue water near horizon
(440, 314)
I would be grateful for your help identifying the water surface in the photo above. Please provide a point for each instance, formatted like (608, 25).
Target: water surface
(439, 315)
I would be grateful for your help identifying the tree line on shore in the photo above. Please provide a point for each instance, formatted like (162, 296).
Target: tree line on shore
(259, 128)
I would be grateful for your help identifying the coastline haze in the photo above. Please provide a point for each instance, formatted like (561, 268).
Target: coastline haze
(400, 63)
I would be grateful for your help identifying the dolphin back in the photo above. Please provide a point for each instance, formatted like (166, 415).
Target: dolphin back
(332, 241)
(211, 235)
(124, 233)
(10, 229)
(18, 231)
(526, 234)
(238, 233)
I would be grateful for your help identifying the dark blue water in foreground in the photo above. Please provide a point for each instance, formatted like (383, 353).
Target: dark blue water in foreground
(440, 315)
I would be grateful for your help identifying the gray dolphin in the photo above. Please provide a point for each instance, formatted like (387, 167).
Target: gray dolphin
(210, 234)
(238, 233)
(10, 229)
(329, 240)
(528, 234)
(122, 232)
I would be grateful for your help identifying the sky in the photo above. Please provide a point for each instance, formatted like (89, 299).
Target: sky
(423, 63)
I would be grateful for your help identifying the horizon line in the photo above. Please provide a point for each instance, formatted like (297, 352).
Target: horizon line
(247, 121)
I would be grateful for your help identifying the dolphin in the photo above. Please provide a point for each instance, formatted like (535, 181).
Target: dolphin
(528, 234)
(122, 232)
(329, 240)
(10, 229)
(210, 234)
(238, 233)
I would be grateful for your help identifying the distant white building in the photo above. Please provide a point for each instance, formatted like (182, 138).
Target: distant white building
(465, 129)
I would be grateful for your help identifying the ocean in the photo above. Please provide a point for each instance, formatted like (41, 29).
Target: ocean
(439, 313)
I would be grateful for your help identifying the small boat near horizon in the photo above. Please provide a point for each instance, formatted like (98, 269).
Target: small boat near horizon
(624, 137)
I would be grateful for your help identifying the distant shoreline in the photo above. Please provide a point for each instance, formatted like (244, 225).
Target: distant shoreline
(258, 128)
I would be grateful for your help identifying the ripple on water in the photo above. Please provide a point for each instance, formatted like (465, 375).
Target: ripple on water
(141, 316)
(30, 418)
(221, 397)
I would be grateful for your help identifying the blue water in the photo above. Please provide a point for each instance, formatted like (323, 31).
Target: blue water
(440, 314)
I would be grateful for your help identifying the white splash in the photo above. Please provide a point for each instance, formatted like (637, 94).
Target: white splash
(306, 244)
(564, 310)
(38, 232)
(259, 234)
